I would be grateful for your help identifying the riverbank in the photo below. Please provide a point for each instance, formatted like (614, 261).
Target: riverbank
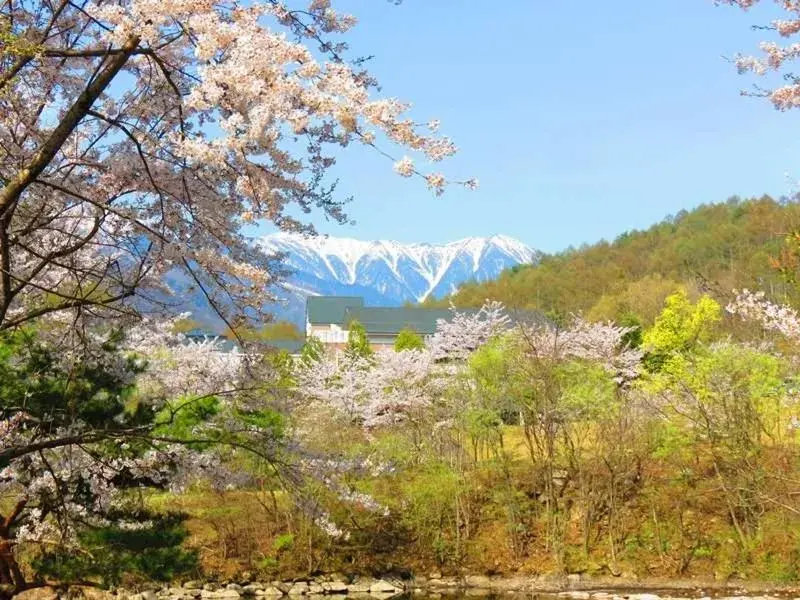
(567, 587)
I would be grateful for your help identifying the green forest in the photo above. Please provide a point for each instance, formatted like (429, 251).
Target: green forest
(714, 248)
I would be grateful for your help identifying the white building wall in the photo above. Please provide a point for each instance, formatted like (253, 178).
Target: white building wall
(327, 334)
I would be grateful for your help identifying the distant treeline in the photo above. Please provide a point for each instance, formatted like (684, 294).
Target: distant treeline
(713, 248)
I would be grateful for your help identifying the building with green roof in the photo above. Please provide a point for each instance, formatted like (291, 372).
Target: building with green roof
(384, 323)
(326, 310)
(328, 318)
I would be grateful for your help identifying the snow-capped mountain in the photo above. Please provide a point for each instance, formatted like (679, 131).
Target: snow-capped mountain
(388, 273)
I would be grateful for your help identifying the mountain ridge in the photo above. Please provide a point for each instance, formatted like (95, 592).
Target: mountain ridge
(348, 261)
(385, 272)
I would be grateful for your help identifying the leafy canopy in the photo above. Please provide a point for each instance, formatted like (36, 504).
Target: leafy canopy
(408, 339)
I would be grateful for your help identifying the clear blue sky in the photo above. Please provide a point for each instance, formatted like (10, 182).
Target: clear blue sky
(582, 119)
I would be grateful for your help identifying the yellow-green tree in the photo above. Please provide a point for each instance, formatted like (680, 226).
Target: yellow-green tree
(408, 339)
(680, 327)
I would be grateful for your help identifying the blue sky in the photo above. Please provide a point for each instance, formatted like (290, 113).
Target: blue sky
(581, 119)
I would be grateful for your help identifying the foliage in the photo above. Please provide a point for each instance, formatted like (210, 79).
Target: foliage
(680, 327)
(312, 351)
(724, 399)
(278, 331)
(84, 427)
(357, 341)
(408, 339)
(713, 248)
(112, 553)
(641, 300)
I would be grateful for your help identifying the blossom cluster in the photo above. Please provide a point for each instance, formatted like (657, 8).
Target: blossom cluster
(465, 332)
(754, 306)
(210, 114)
(776, 55)
(66, 481)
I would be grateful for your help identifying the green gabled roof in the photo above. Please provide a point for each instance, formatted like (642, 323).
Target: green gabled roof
(391, 320)
(330, 309)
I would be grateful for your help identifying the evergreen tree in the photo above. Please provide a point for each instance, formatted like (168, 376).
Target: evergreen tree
(357, 342)
(312, 350)
(408, 339)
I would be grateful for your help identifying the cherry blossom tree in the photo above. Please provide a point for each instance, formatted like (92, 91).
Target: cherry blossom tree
(77, 431)
(337, 382)
(602, 343)
(138, 138)
(389, 387)
(465, 332)
(754, 306)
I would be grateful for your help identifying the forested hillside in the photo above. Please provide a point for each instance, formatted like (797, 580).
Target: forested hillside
(714, 248)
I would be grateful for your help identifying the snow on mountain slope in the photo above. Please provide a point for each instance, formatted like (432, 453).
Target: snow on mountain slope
(390, 273)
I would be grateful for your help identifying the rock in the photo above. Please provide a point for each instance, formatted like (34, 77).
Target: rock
(211, 587)
(298, 589)
(229, 592)
(41, 593)
(193, 585)
(383, 587)
(477, 592)
(251, 589)
(573, 578)
(335, 587)
(235, 587)
(360, 586)
(478, 581)
(315, 589)
(272, 591)
(575, 595)
(644, 597)
(445, 582)
(220, 594)
(143, 595)
(435, 575)
(90, 593)
(510, 584)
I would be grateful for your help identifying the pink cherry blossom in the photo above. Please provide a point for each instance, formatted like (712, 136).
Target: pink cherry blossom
(138, 136)
(777, 55)
(754, 306)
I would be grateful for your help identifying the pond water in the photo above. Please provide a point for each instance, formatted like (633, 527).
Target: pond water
(611, 594)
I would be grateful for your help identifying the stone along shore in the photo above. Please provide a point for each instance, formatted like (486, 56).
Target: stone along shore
(569, 587)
